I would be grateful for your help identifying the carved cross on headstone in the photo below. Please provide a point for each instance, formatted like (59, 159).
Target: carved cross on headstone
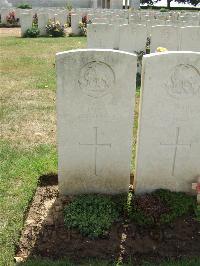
(176, 145)
(96, 146)
(196, 186)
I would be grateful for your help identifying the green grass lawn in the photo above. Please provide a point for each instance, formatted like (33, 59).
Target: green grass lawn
(28, 131)
(28, 137)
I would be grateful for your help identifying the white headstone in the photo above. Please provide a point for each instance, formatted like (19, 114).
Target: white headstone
(95, 103)
(4, 13)
(169, 129)
(75, 20)
(190, 39)
(165, 36)
(5, 3)
(132, 38)
(26, 21)
(42, 22)
(101, 36)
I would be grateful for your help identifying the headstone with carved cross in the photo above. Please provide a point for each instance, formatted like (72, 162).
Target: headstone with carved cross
(95, 103)
(168, 152)
(196, 186)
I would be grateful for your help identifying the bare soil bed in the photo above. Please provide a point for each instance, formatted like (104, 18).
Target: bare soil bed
(10, 32)
(45, 235)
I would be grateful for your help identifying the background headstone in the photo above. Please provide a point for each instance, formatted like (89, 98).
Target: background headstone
(190, 39)
(165, 36)
(26, 21)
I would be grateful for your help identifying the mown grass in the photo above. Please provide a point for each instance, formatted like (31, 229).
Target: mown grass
(27, 89)
(19, 172)
(28, 137)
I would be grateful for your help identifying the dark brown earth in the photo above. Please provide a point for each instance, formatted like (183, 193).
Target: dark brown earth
(45, 235)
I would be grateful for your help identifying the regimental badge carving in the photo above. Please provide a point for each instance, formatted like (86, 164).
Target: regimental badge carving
(184, 82)
(97, 79)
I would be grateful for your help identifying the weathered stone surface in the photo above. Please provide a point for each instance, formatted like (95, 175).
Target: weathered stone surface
(190, 39)
(26, 20)
(165, 36)
(95, 103)
(168, 152)
(132, 38)
(5, 3)
(102, 36)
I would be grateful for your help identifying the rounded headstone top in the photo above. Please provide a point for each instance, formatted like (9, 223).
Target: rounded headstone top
(5, 3)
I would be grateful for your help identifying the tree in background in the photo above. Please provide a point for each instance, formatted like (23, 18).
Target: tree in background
(151, 2)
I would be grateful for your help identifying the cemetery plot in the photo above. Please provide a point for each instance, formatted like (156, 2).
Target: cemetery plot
(45, 231)
(95, 120)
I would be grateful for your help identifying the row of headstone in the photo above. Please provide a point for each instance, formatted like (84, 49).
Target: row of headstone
(133, 38)
(115, 4)
(150, 18)
(26, 20)
(95, 103)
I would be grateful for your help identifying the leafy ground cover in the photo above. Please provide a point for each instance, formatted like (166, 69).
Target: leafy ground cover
(72, 226)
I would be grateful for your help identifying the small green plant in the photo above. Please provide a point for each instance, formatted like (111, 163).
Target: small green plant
(55, 29)
(93, 215)
(197, 212)
(24, 6)
(35, 20)
(148, 44)
(178, 203)
(32, 33)
(164, 9)
(69, 6)
(135, 213)
(160, 207)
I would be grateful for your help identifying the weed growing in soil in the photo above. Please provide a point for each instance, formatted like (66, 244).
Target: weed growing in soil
(178, 204)
(93, 215)
(160, 207)
(197, 212)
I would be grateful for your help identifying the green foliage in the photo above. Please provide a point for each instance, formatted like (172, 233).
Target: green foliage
(55, 29)
(32, 33)
(164, 9)
(172, 205)
(35, 20)
(93, 215)
(197, 212)
(179, 204)
(19, 174)
(69, 6)
(136, 214)
(24, 6)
